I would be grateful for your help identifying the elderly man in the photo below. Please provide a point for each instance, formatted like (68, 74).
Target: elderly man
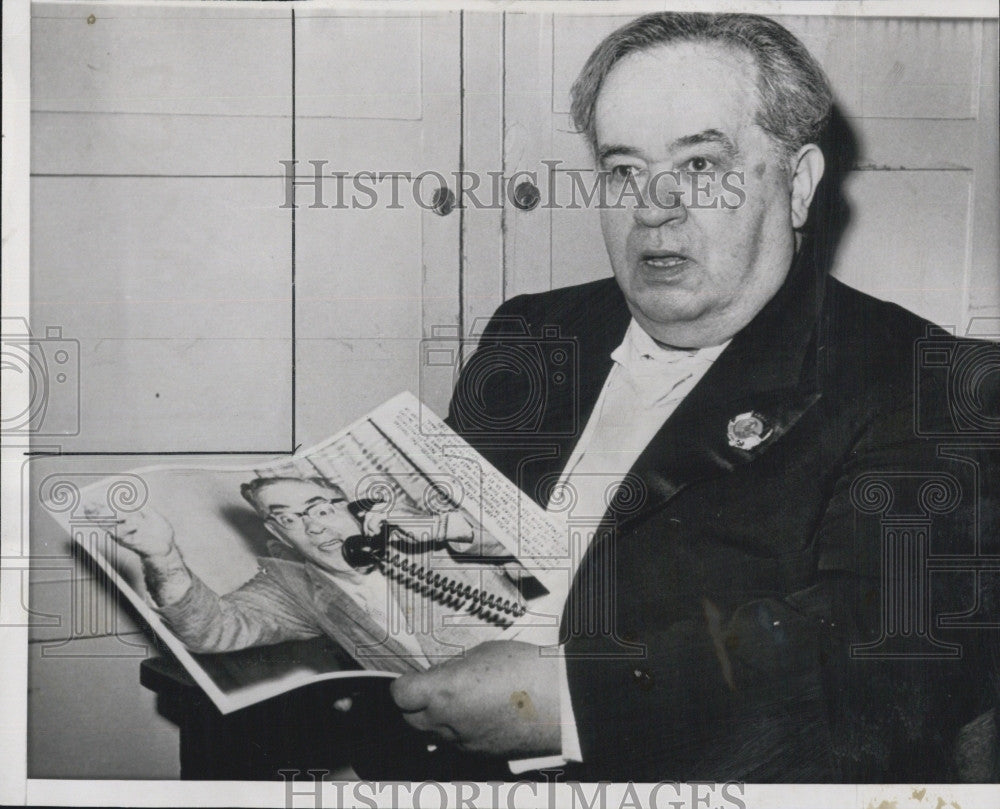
(727, 619)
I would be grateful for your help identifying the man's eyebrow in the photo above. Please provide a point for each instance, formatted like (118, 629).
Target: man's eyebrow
(309, 502)
(713, 136)
(706, 136)
(616, 150)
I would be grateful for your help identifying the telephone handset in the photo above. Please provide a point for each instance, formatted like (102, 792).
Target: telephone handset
(365, 553)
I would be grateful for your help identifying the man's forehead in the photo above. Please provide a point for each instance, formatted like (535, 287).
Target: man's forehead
(663, 94)
(292, 492)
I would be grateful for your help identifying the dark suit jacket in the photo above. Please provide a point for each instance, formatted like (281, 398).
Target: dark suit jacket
(766, 614)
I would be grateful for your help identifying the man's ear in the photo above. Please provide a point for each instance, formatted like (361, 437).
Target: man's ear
(807, 170)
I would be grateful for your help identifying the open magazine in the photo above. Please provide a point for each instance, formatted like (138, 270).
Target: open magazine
(447, 553)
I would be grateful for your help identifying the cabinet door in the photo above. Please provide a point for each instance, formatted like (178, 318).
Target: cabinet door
(200, 311)
(158, 246)
(376, 95)
(920, 98)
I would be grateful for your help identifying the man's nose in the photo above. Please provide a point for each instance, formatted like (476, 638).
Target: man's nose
(313, 525)
(661, 203)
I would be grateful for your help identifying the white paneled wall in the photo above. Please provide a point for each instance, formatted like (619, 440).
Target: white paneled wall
(157, 240)
(374, 96)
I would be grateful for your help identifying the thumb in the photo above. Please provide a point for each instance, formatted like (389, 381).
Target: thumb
(412, 692)
(372, 523)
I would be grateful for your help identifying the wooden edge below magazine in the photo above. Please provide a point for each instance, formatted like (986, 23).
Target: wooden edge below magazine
(301, 730)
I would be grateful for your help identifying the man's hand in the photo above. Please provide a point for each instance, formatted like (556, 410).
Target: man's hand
(500, 698)
(151, 536)
(147, 532)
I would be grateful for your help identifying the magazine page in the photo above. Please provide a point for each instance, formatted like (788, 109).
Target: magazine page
(220, 539)
(538, 538)
(454, 565)
(267, 550)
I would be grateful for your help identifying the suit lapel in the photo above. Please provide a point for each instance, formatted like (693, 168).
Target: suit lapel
(694, 443)
(768, 371)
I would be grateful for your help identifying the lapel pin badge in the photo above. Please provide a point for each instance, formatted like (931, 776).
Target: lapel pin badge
(747, 430)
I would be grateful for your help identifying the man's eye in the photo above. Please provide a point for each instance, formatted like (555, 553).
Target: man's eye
(699, 163)
(623, 172)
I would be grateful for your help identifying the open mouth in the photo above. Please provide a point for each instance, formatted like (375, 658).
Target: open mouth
(663, 259)
(330, 544)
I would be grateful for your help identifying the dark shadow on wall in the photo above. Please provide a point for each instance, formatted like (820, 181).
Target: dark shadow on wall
(830, 212)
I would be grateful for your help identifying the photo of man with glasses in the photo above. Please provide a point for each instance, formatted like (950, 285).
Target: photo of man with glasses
(304, 588)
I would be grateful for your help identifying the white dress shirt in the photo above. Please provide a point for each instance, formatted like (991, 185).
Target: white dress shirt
(646, 384)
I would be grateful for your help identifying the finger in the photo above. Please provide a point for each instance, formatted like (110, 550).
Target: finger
(462, 544)
(412, 692)
(125, 530)
(458, 532)
(373, 522)
(422, 721)
(120, 538)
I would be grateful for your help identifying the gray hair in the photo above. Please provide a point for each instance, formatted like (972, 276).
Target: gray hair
(795, 97)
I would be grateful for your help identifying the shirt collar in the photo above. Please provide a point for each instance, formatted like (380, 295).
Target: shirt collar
(641, 353)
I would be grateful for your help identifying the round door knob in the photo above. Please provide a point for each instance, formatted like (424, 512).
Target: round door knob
(443, 201)
(526, 196)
